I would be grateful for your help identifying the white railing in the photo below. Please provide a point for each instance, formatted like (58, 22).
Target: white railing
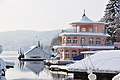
(69, 31)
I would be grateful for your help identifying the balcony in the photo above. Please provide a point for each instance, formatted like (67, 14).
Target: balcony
(70, 30)
(74, 33)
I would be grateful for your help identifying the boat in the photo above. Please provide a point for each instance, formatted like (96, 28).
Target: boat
(4, 65)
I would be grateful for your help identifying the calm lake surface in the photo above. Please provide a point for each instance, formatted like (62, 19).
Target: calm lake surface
(30, 70)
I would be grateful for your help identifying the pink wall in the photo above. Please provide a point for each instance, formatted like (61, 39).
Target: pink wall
(103, 40)
(100, 27)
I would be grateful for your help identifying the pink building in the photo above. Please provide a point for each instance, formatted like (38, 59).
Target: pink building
(85, 35)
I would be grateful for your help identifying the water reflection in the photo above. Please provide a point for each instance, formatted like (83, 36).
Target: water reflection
(38, 67)
(29, 70)
(21, 65)
(35, 66)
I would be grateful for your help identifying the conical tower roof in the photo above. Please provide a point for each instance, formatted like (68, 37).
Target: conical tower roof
(86, 20)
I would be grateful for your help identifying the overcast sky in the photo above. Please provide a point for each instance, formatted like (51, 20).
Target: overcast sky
(42, 15)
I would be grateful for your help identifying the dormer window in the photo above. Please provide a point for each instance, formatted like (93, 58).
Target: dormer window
(83, 29)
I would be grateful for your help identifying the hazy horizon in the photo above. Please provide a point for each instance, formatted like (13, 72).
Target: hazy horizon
(31, 30)
(46, 15)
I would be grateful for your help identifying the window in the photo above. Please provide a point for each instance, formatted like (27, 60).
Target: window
(67, 51)
(91, 41)
(95, 29)
(89, 29)
(83, 41)
(68, 40)
(75, 40)
(67, 55)
(83, 29)
(78, 29)
(74, 53)
(98, 41)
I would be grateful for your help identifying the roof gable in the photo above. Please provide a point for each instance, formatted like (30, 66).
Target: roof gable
(34, 49)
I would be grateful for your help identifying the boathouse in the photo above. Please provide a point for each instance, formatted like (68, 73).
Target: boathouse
(35, 52)
(105, 64)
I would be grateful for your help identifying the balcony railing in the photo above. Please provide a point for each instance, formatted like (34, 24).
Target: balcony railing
(73, 30)
(69, 31)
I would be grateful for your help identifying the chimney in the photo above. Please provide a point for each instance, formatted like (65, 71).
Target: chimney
(38, 43)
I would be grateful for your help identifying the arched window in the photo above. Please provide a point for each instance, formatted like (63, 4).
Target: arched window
(74, 53)
(83, 29)
(67, 54)
(91, 40)
(89, 29)
(68, 40)
(67, 51)
(75, 40)
(98, 41)
(82, 41)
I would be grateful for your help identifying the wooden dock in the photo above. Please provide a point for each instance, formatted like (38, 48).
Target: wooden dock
(83, 75)
(9, 64)
(32, 59)
(57, 62)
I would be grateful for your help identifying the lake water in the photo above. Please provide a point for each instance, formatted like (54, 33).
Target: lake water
(30, 70)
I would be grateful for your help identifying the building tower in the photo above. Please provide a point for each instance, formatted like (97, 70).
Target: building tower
(85, 35)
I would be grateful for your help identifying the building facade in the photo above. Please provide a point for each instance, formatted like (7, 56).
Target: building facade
(85, 35)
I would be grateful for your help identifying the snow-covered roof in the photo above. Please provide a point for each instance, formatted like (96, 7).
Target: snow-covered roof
(103, 61)
(41, 50)
(88, 47)
(86, 20)
(88, 52)
(84, 34)
(24, 49)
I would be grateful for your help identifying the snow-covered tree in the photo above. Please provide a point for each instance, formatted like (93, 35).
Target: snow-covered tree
(112, 14)
(56, 40)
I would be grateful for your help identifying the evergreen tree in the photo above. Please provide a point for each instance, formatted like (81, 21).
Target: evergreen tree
(111, 17)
